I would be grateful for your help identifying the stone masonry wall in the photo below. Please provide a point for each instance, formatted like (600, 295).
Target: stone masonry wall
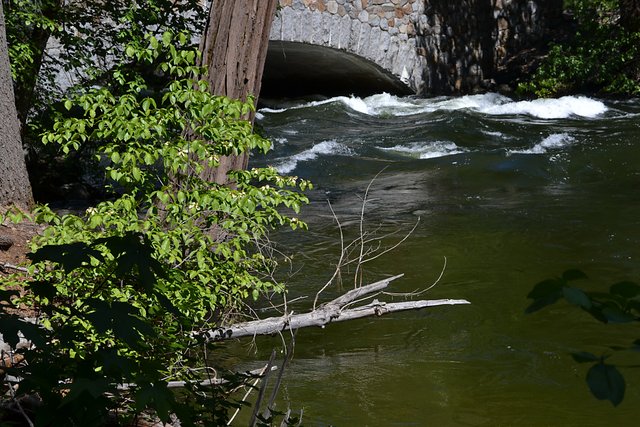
(382, 31)
(434, 46)
(471, 44)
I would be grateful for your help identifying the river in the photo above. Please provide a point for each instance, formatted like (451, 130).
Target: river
(509, 193)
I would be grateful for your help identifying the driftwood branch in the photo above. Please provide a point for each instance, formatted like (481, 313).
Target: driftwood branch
(333, 311)
(7, 266)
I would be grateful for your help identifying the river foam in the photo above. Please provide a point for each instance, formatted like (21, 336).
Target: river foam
(490, 104)
(330, 147)
(555, 141)
(426, 150)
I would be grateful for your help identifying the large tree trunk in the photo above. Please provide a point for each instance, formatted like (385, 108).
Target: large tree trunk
(234, 48)
(14, 181)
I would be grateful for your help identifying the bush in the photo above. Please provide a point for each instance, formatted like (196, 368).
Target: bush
(602, 57)
(121, 291)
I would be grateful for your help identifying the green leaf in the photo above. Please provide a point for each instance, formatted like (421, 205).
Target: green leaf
(7, 295)
(95, 387)
(625, 289)
(606, 383)
(134, 252)
(43, 289)
(68, 104)
(545, 293)
(614, 314)
(570, 275)
(11, 326)
(155, 396)
(577, 297)
(70, 256)
(166, 38)
(546, 288)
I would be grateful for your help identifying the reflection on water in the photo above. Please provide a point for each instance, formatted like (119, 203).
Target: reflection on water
(510, 193)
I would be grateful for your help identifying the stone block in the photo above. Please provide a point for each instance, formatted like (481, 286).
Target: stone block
(332, 7)
(315, 28)
(353, 35)
(363, 16)
(364, 48)
(344, 32)
(326, 29)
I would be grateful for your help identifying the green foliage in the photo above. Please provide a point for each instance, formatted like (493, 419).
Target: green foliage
(22, 18)
(602, 56)
(620, 305)
(90, 36)
(122, 290)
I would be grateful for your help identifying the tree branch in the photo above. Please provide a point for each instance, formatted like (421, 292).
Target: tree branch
(333, 311)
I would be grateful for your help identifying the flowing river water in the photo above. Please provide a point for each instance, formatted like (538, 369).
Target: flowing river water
(510, 193)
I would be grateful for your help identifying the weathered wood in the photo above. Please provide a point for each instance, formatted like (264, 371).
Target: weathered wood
(332, 312)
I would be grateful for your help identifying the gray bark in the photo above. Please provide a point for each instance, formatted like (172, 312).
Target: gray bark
(334, 311)
(14, 181)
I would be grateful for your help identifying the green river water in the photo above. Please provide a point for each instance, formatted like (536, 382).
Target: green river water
(511, 194)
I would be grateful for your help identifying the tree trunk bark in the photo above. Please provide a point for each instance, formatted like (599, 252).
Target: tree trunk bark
(234, 48)
(14, 181)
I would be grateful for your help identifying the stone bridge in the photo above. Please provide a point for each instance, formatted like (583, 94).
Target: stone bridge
(333, 47)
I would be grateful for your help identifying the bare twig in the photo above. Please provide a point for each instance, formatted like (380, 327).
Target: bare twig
(10, 386)
(419, 292)
(246, 395)
(342, 253)
(362, 233)
(256, 406)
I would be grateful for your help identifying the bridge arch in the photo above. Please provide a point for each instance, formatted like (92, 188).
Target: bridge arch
(345, 46)
(295, 69)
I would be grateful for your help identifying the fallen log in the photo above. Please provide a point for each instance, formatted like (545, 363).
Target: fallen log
(334, 311)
